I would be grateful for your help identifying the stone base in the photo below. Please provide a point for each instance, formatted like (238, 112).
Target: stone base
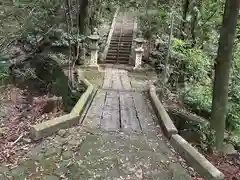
(96, 67)
(138, 69)
(142, 69)
(92, 67)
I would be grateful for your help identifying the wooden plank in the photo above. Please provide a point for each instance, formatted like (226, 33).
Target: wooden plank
(107, 82)
(116, 81)
(129, 120)
(125, 81)
(144, 114)
(93, 117)
(107, 78)
(110, 116)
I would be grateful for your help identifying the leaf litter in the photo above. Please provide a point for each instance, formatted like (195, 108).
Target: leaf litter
(18, 111)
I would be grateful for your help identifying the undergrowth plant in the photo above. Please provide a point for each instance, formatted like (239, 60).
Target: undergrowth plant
(4, 64)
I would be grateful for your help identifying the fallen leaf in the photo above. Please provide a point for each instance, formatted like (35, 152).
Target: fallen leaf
(139, 174)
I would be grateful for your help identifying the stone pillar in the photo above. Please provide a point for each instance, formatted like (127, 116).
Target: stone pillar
(139, 50)
(138, 57)
(93, 62)
(94, 56)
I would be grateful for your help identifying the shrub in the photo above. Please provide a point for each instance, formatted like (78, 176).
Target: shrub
(195, 62)
(198, 97)
(4, 64)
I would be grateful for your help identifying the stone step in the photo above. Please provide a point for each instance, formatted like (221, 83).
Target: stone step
(125, 21)
(120, 55)
(120, 51)
(112, 48)
(117, 35)
(122, 26)
(123, 29)
(110, 61)
(123, 32)
(120, 44)
(121, 39)
(126, 30)
(119, 58)
(122, 36)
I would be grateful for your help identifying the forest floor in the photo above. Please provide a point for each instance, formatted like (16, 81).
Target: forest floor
(19, 110)
(229, 166)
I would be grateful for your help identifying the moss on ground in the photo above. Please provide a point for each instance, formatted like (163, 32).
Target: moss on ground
(95, 77)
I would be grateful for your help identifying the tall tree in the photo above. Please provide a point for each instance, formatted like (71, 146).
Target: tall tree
(83, 19)
(186, 4)
(195, 18)
(222, 70)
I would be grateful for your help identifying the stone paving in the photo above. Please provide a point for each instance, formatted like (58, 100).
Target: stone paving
(118, 139)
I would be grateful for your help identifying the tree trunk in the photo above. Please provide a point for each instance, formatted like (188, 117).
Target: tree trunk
(165, 75)
(83, 19)
(222, 70)
(186, 5)
(93, 15)
(77, 58)
(165, 72)
(194, 24)
(184, 17)
(193, 29)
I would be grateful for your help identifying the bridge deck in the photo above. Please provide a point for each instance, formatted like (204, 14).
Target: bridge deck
(126, 139)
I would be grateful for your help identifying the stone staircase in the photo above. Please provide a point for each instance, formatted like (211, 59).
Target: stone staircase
(121, 42)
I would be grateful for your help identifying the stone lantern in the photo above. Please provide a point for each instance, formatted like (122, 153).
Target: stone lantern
(94, 48)
(138, 52)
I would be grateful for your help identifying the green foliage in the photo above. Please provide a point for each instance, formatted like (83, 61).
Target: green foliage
(233, 118)
(153, 22)
(60, 58)
(196, 63)
(41, 16)
(149, 25)
(198, 97)
(208, 138)
(192, 64)
(235, 138)
(75, 95)
(61, 38)
(71, 97)
(4, 64)
(25, 18)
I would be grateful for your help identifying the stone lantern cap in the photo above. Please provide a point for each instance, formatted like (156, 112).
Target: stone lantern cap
(139, 50)
(139, 40)
(94, 37)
